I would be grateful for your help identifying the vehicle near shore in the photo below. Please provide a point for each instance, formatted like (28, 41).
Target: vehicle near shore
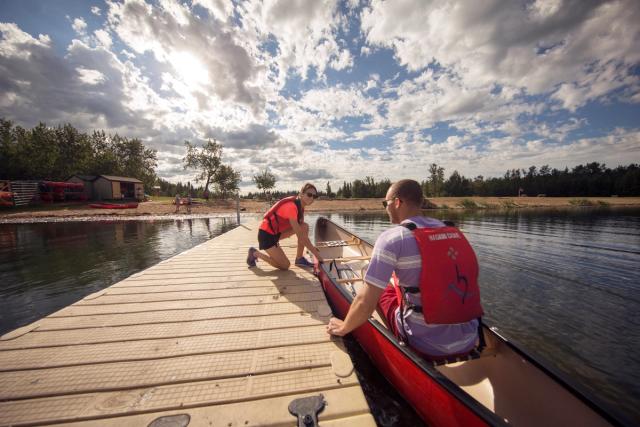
(500, 384)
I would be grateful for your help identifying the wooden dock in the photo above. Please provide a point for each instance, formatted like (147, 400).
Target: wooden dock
(198, 339)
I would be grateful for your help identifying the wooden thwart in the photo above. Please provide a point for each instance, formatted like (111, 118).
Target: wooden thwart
(351, 258)
(353, 279)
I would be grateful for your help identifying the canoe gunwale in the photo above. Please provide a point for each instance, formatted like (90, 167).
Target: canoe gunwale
(610, 415)
(467, 400)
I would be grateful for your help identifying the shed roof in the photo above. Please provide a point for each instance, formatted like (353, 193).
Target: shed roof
(119, 178)
(84, 177)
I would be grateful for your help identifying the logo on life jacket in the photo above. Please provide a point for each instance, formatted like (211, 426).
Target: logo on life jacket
(449, 291)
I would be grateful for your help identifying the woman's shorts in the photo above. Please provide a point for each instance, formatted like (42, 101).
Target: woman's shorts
(267, 240)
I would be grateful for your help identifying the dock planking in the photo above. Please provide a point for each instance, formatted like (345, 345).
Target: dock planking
(198, 337)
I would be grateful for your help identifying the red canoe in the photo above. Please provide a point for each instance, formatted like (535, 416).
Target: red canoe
(132, 205)
(501, 385)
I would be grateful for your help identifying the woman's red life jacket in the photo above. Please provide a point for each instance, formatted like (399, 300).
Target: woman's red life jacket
(274, 224)
(449, 291)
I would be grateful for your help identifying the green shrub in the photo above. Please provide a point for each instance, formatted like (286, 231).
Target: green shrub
(580, 202)
(509, 204)
(469, 204)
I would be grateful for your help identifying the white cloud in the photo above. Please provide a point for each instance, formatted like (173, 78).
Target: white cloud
(230, 71)
(170, 33)
(220, 9)
(96, 10)
(90, 77)
(103, 38)
(79, 26)
(305, 33)
(535, 48)
(13, 40)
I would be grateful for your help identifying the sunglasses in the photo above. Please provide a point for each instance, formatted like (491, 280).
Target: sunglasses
(314, 195)
(386, 203)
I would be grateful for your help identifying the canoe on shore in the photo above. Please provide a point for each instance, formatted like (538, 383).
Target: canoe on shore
(499, 385)
(132, 205)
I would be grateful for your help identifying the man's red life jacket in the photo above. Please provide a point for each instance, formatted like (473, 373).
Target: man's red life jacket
(449, 291)
(274, 224)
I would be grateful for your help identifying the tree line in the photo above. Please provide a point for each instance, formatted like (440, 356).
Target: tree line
(57, 153)
(591, 179)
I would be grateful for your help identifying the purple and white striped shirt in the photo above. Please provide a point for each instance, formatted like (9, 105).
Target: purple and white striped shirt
(397, 250)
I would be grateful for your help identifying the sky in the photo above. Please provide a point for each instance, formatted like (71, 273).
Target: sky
(333, 91)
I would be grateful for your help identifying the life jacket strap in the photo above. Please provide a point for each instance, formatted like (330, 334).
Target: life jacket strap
(481, 341)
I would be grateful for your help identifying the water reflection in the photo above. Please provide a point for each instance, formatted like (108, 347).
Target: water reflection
(47, 266)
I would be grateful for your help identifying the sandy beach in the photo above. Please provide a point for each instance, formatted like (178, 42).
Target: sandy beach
(165, 207)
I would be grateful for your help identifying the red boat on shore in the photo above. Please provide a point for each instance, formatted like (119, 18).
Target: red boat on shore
(132, 205)
(499, 385)
(6, 198)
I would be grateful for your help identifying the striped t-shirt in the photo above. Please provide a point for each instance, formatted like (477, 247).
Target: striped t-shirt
(397, 250)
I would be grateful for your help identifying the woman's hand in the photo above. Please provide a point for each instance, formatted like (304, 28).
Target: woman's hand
(335, 327)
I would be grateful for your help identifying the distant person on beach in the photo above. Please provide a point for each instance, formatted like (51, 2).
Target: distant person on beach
(285, 219)
(399, 256)
(177, 202)
(189, 200)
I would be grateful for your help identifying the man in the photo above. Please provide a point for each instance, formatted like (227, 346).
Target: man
(285, 219)
(397, 251)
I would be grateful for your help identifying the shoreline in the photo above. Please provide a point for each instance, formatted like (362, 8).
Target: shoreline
(166, 210)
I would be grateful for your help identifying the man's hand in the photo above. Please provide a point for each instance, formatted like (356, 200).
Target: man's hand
(335, 327)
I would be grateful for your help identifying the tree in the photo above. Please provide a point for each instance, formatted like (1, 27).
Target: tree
(329, 193)
(207, 160)
(457, 185)
(135, 160)
(436, 179)
(265, 181)
(226, 180)
(56, 153)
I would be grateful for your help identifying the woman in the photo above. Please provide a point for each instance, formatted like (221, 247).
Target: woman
(283, 220)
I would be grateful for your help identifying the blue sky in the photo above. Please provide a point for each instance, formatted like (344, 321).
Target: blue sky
(335, 90)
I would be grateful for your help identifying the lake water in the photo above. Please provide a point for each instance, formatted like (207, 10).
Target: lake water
(47, 266)
(564, 284)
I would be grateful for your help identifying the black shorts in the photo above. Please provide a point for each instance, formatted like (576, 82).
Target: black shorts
(267, 240)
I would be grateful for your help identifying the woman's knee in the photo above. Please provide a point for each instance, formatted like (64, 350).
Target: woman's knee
(284, 267)
(283, 264)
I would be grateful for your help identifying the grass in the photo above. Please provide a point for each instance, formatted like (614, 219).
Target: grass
(509, 204)
(162, 199)
(580, 202)
(603, 203)
(469, 204)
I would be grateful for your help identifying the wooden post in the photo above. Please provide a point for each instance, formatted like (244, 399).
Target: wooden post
(238, 207)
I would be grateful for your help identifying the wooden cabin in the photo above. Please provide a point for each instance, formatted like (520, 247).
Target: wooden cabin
(107, 187)
(87, 181)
